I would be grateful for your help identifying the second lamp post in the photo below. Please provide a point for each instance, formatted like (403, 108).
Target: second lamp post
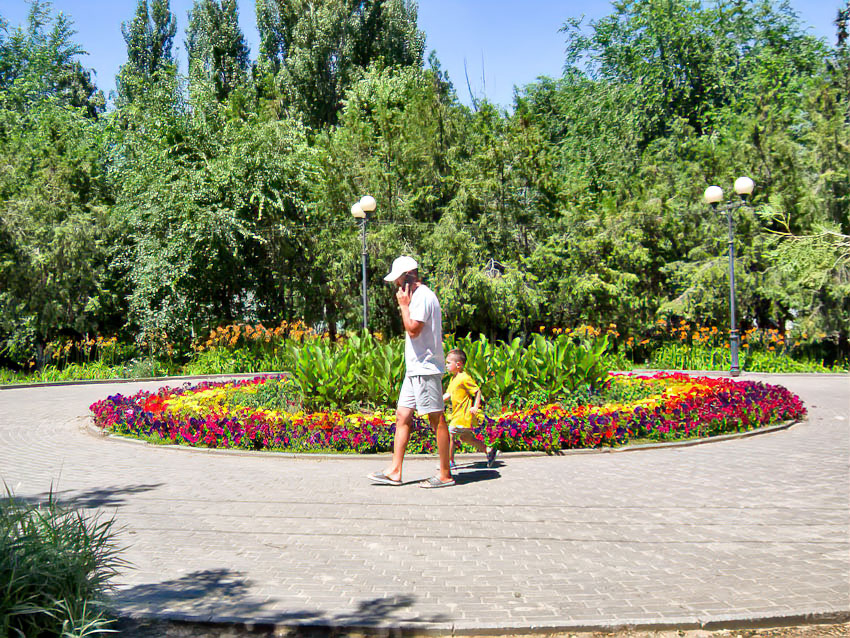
(713, 196)
(361, 211)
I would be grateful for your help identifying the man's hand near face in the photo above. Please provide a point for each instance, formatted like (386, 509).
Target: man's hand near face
(411, 326)
(403, 295)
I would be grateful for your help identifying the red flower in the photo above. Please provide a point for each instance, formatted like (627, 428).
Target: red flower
(154, 404)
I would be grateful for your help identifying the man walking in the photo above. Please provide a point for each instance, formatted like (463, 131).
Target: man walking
(422, 389)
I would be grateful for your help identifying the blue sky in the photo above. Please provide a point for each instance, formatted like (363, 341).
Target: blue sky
(501, 43)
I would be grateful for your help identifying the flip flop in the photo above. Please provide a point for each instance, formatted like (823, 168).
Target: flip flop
(435, 482)
(383, 479)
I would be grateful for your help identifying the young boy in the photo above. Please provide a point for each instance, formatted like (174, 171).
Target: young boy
(465, 396)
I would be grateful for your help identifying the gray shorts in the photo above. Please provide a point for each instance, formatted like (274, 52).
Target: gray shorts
(423, 393)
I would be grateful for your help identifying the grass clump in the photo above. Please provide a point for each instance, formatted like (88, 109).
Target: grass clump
(55, 566)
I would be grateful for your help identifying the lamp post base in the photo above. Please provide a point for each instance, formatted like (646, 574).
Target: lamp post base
(734, 348)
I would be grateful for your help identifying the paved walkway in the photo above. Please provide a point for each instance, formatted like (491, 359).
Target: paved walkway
(748, 530)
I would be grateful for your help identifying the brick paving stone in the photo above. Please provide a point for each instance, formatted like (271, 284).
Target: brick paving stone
(734, 531)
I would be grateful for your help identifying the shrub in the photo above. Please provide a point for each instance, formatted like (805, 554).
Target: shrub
(55, 565)
(677, 356)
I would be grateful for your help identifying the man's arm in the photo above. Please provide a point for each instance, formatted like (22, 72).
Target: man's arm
(412, 326)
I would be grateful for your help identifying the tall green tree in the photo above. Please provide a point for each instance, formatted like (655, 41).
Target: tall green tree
(392, 142)
(218, 52)
(688, 60)
(320, 47)
(55, 222)
(215, 208)
(42, 62)
(149, 37)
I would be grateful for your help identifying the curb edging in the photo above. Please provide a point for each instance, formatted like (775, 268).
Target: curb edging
(207, 624)
(92, 430)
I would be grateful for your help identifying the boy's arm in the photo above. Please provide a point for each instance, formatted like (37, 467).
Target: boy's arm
(447, 396)
(477, 403)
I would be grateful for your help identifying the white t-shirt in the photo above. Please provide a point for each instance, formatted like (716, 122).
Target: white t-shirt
(424, 353)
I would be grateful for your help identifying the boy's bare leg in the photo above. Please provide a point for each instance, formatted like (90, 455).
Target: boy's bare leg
(403, 421)
(468, 437)
(441, 428)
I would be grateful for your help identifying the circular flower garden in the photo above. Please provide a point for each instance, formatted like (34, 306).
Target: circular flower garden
(645, 408)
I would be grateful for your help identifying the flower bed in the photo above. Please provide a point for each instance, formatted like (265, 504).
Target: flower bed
(679, 407)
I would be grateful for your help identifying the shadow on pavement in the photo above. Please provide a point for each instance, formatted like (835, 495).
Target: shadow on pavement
(200, 595)
(103, 497)
(87, 499)
(474, 476)
(219, 602)
(376, 612)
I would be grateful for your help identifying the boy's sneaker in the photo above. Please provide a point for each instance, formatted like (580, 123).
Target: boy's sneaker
(491, 456)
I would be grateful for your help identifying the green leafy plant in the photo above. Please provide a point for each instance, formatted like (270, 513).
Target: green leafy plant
(358, 370)
(275, 394)
(549, 368)
(681, 356)
(55, 566)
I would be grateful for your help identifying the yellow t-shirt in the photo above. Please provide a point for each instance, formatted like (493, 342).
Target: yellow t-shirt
(462, 390)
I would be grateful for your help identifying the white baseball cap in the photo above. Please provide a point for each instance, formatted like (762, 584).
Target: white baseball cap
(401, 265)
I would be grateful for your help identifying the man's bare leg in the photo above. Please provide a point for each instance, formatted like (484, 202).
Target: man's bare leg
(403, 421)
(438, 424)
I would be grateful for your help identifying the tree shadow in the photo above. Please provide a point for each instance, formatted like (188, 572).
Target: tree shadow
(105, 496)
(199, 596)
(219, 601)
(114, 496)
(377, 611)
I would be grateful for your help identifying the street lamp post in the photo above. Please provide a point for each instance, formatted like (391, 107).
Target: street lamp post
(361, 211)
(713, 195)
